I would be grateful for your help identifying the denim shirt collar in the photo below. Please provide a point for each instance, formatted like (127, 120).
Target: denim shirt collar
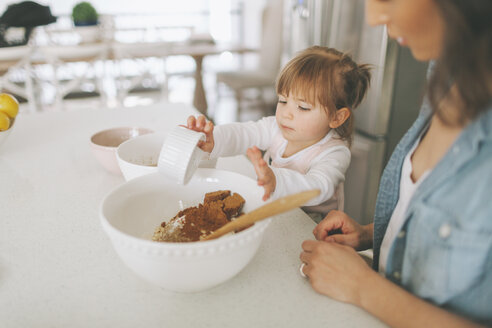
(389, 186)
(465, 147)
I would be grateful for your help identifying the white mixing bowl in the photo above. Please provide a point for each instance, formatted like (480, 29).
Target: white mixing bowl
(131, 212)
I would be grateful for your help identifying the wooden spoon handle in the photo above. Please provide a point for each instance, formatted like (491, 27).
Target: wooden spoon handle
(278, 206)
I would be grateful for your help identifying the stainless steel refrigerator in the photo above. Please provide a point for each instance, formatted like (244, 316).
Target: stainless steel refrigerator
(392, 102)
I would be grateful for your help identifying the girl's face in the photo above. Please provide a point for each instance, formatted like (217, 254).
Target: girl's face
(301, 123)
(417, 24)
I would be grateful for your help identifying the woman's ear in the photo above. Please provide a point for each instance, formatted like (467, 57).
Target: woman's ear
(340, 117)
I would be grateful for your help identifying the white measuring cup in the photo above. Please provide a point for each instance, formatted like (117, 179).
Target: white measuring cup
(180, 155)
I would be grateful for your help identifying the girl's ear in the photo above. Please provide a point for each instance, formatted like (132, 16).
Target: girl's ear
(340, 117)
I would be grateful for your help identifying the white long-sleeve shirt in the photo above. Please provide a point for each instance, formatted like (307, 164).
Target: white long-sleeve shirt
(319, 166)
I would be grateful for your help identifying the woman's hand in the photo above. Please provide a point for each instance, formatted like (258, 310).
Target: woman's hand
(339, 272)
(266, 177)
(335, 270)
(338, 227)
(201, 124)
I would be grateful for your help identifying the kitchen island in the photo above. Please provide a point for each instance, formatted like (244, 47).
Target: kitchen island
(59, 269)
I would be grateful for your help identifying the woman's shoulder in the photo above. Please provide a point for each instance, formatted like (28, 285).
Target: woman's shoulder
(465, 194)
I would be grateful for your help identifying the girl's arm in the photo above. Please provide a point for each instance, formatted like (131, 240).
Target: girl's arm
(235, 138)
(265, 176)
(327, 171)
(339, 272)
(201, 124)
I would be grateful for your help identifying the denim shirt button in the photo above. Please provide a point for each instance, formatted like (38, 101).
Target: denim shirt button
(396, 275)
(444, 230)
(401, 234)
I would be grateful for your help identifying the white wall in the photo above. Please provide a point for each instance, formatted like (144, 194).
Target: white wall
(60, 7)
(174, 13)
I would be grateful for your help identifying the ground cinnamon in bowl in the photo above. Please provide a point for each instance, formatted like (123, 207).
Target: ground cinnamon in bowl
(194, 223)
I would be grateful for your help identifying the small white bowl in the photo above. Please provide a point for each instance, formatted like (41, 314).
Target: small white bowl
(104, 144)
(140, 156)
(131, 212)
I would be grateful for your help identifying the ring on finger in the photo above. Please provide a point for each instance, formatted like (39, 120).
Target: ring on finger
(303, 264)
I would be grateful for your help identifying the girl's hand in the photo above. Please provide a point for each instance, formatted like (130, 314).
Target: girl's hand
(334, 270)
(201, 124)
(266, 177)
(338, 227)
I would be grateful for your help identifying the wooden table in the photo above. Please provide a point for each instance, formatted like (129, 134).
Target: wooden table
(115, 50)
(197, 51)
(59, 269)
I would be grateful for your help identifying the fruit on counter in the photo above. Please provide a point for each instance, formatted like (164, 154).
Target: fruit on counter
(9, 108)
(9, 105)
(4, 121)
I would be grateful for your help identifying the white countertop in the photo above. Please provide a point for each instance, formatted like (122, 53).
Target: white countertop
(58, 268)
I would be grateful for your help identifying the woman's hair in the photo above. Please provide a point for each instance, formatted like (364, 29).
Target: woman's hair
(326, 77)
(466, 59)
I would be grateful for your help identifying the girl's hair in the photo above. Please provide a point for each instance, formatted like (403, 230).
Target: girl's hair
(466, 59)
(326, 77)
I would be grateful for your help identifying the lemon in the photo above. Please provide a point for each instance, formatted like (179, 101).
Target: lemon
(4, 121)
(9, 105)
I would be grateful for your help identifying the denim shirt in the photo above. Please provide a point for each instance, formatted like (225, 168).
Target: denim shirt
(443, 252)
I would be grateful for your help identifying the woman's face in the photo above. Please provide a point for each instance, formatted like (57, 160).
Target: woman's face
(417, 24)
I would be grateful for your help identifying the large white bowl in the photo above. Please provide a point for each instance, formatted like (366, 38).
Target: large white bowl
(131, 212)
(140, 155)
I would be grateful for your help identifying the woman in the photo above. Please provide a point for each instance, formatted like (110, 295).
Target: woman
(432, 231)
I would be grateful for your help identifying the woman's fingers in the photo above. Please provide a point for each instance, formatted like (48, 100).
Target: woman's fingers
(348, 240)
(309, 245)
(305, 259)
(334, 270)
(329, 223)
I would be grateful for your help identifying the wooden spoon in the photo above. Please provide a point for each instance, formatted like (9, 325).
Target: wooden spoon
(278, 206)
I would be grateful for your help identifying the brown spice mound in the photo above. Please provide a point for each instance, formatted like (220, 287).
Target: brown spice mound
(216, 195)
(194, 223)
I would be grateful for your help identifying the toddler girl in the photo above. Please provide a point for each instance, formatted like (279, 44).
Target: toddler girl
(307, 141)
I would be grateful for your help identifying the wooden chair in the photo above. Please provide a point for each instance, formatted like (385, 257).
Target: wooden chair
(269, 59)
(86, 56)
(145, 55)
(15, 60)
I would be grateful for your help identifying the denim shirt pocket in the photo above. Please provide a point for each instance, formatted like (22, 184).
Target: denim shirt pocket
(443, 258)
